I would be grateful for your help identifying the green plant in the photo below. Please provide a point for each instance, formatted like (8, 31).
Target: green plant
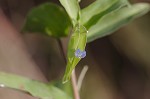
(99, 19)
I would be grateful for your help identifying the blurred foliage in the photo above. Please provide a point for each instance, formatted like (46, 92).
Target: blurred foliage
(48, 19)
(92, 13)
(35, 88)
(116, 19)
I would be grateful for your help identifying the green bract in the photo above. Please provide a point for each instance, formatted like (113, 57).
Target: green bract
(77, 41)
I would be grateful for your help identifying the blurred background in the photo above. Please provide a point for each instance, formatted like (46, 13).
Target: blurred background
(119, 64)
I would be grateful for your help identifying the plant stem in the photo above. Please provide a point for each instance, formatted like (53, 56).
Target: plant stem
(81, 77)
(73, 75)
(74, 85)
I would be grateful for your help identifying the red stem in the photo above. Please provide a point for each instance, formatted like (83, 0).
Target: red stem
(74, 85)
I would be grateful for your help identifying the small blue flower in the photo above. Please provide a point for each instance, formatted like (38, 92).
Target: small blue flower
(80, 54)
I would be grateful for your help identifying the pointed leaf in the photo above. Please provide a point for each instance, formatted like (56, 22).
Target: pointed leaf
(116, 19)
(48, 19)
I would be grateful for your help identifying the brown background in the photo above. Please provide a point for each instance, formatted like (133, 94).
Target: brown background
(118, 64)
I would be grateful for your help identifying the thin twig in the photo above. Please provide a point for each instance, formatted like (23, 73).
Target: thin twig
(73, 75)
(81, 77)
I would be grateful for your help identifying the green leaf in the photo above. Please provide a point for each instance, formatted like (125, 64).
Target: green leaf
(113, 21)
(35, 88)
(77, 41)
(48, 19)
(91, 14)
(73, 9)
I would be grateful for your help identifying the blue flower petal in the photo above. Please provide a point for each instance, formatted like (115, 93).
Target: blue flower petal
(80, 54)
(77, 52)
(83, 54)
